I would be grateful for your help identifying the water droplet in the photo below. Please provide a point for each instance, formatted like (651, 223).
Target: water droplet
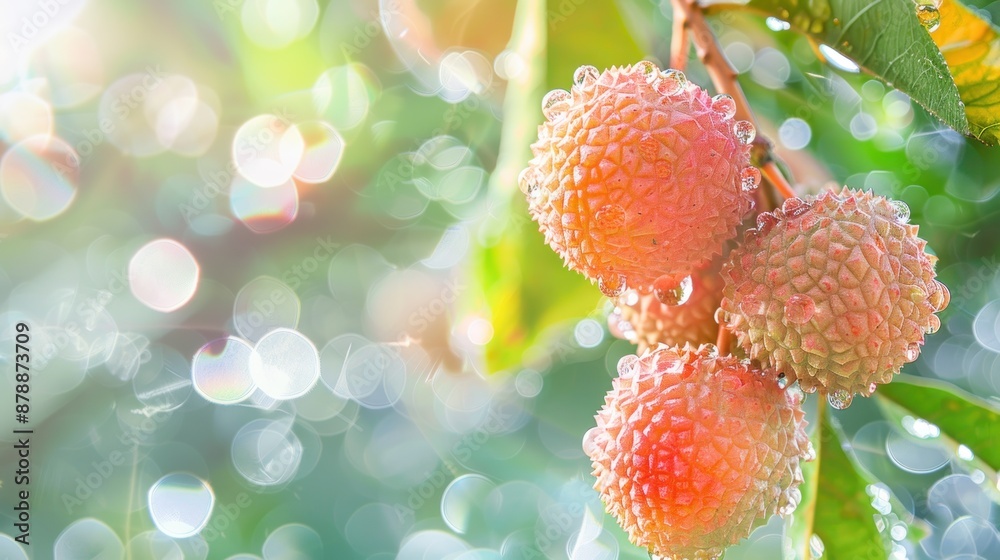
(940, 297)
(799, 309)
(766, 221)
(794, 207)
(749, 178)
(871, 389)
(626, 363)
(648, 70)
(725, 105)
(663, 169)
(527, 179)
(590, 445)
(816, 547)
(649, 148)
(586, 75)
(745, 132)
(840, 399)
(751, 305)
(796, 392)
(671, 292)
(782, 381)
(901, 212)
(672, 82)
(611, 286)
(610, 217)
(721, 316)
(556, 103)
(810, 389)
(710, 351)
(929, 16)
(933, 324)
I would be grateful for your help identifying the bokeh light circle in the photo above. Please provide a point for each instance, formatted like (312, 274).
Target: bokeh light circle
(180, 505)
(86, 538)
(267, 149)
(284, 364)
(39, 177)
(163, 275)
(267, 452)
(220, 371)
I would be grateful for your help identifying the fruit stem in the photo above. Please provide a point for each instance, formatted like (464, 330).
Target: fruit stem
(679, 45)
(774, 175)
(724, 340)
(688, 15)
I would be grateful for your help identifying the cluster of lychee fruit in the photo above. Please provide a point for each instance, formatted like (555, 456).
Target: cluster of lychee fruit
(642, 181)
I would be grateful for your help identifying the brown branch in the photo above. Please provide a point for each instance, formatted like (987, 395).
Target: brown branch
(679, 44)
(774, 175)
(689, 15)
(724, 340)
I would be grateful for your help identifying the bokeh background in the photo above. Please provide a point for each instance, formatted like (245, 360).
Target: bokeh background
(196, 192)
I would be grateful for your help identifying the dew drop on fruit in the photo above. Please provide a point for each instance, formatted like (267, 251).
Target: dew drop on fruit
(794, 207)
(840, 399)
(929, 16)
(590, 446)
(799, 309)
(672, 82)
(663, 169)
(912, 352)
(725, 105)
(649, 148)
(871, 389)
(810, 389)
(527, 180)
(749, 178)
(648, 70)
(556, 103)
(940, 297)
(751, 305)
(610, 217)
(672, 292)
(810, 454)
(586, 75)
(626, 363)
(745, 132)
(612, 285)
(766, 221)
(933, 324)
(710, 350)
(721, 317)
(796, 392)
(782, 381)
(901, 212)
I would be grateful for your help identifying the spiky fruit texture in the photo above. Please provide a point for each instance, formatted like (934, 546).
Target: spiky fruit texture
(633, 180)
(693, 451)
(835, 291)
(643, 320)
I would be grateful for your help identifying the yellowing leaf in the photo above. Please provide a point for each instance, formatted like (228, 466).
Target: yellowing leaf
(971, 47)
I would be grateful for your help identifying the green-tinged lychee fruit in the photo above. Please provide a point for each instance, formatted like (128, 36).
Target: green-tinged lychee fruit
(834, 291)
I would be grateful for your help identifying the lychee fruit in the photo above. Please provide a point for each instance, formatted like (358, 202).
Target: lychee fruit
(692, 450)
(638, 174)
(645, 320)
(834, 291)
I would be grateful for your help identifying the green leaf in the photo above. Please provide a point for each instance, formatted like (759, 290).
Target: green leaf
(885, 38)
(971, 47)
(835, 506)
(964, 418)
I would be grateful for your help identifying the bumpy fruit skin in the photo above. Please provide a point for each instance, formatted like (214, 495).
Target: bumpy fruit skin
(835, 291)
(643, 320)
(628, 184)
(693, 451)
